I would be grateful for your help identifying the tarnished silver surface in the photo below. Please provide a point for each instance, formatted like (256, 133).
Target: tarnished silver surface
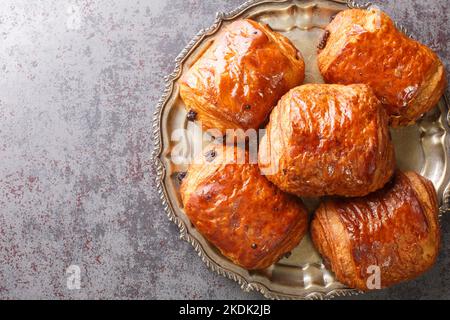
(423, 148)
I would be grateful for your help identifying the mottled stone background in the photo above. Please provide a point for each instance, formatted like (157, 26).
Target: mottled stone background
(79, 81)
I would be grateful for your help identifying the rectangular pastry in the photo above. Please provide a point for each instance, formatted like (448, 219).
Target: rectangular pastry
(364, 46)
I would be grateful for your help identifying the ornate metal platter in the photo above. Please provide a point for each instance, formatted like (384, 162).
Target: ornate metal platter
(423, 148)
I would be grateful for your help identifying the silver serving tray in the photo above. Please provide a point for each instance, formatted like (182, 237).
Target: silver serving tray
(423, 148)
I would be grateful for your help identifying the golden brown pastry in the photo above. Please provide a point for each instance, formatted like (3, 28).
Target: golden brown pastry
(327, 139)
(240, 77)
(239, 211)
(395, 229)
(364, 46)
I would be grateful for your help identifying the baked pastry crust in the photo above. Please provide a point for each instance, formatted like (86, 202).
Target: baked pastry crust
(239, 211)
(364, 46)
(241, 76)
(327, 139)
(395, 228)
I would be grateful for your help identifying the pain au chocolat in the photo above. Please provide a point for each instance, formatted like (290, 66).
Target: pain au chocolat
(364, 46)
(239, 211)
(327, 139)
(239, 79)
(394, 230)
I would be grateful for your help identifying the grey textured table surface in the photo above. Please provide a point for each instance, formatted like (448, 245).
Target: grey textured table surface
(79, 81)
